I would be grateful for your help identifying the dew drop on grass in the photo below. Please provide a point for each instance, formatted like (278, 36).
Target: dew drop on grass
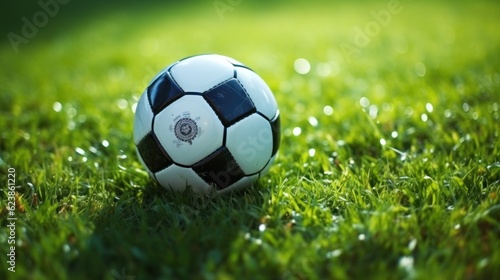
(71, 125)
(482, 263)
(334, 254)
(287, 132)
(312, 121)
(394, 134)
(420, 69)
(296, 131)
(387, 107)
(412, 244)
(134, 107)
(475, 115)
(93, 150)
(105, 143)
(122, 104)
(429, 107)
(302, 66)
(466, 107)
(406, 262)
(383, 142)
(71, 112)
(323, 69)
(66, 248)
(312, 152)
(296, 214)
(82, 118)
(361, 237)
(447, 113)
(80, 151)
(373, 111)
(409, 111)
(262, 227)
(424, 117)
(364, 102)
(328, 110)
(57, 106)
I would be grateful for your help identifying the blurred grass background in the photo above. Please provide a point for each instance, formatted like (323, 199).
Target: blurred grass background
(389, 161)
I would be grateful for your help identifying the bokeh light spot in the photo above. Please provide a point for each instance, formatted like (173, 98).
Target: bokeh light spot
(302, 66)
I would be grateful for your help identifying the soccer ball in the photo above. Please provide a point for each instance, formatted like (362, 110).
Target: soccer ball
(209, 123)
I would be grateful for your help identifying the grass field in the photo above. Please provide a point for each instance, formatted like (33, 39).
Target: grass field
(389, 165)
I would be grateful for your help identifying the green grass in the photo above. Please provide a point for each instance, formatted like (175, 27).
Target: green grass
(401, 181)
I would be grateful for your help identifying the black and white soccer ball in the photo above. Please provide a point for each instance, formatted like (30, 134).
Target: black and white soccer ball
(209, 123)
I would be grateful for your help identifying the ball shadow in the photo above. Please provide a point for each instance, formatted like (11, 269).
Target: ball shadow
(154, 233)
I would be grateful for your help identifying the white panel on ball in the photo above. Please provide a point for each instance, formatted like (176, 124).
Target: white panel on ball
(268, 166)
(258, 91)
(177, 178)
(232, 60)
(143, 118)
(189, 130)
(200, 73)
(250, 141)
(243, 183)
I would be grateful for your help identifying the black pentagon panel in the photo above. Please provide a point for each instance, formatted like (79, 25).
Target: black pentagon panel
(152, 154)
(163, 91)
(219, 169)
(276, 129)
(230, 101)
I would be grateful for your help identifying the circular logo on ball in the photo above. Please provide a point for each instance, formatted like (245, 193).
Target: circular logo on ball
(186, 130)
